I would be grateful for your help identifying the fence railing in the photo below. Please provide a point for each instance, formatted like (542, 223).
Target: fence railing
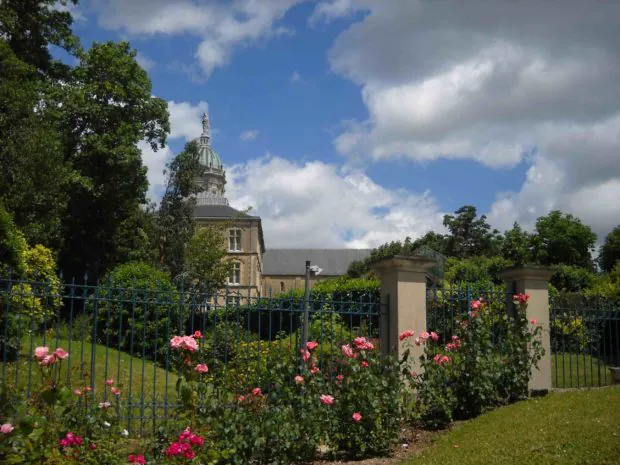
(585, 340)
(124, 334)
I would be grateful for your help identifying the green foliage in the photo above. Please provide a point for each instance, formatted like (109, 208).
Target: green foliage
(571, 278)
(516, 246)
(475, 270)
(487, 361)
(609, 252)
(175, 218)
(141, 309)
(469, 236)
(563, 239)
(205, 258)
(12, 244)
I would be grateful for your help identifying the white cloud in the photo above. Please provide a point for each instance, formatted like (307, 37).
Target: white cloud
(155, 163)
(295, 77)
(319, 205)
(185, 123)
(249, 135)
(493, 82)
(145, 62)
(76, 13)
(221, 27)
(186, 119)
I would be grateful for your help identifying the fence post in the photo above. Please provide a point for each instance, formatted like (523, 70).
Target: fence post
(533, 280)
(403, 285)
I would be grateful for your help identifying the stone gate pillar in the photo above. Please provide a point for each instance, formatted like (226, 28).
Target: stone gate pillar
(403, 291)
(534, 281)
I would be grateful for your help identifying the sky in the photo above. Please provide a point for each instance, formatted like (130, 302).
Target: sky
(351, 123)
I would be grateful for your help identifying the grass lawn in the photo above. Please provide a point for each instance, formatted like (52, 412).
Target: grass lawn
(567, 428)
(575, 371)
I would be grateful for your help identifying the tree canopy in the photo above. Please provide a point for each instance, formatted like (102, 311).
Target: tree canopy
(609, 252)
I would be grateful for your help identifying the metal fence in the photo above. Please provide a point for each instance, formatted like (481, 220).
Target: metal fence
(585, 340)
(124, 333)
(446, 306)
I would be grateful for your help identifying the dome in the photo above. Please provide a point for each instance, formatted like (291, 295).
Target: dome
(209, 157)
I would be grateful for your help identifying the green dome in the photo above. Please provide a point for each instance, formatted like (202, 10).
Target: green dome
(209, 157)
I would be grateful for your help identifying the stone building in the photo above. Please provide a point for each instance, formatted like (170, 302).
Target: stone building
(256, 270)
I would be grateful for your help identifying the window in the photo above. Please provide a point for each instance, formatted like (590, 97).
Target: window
(234, 240)
(281, 286)
(235, 274)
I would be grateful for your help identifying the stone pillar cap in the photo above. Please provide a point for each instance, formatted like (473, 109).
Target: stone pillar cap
(531, 272)
(411, 263)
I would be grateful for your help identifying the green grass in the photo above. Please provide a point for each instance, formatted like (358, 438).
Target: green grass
(567, 428)
(145, 382)
(576, 371)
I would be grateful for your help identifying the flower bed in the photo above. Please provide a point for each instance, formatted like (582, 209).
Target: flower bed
(294, 412)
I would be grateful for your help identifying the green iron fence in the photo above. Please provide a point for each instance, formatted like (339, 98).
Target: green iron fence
(124, 334)
(585, 340)
(447, 305)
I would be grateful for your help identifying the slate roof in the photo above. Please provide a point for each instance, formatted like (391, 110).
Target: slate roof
(219, 211)
(334, 262)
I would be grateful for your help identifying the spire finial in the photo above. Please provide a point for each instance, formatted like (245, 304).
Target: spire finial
(205, 123)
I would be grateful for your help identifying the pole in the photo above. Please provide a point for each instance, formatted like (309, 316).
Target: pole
(304, 334)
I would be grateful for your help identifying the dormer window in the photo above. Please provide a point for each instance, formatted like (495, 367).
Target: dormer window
(234, 240)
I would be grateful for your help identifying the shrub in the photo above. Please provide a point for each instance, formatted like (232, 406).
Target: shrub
(141, 310)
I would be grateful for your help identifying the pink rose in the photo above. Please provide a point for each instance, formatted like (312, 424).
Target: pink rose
(364, 364)
(77, 392)
(202, 368)
(190, 343)
(434, 336)
(417, 341)
(533, 322)
(445, 359)
(256, 392)
(241, 398)
(7, 428)
(47, 360)
(340, 377)
(475, 304)
(41, 352)
(61, 353)
(347, 351)
(361, 343)
(176, 342)
(299, 379)
(92, 446)
(116, 391)
(405, 334)
(104, 405)
(109, 382)
(311, 345)
(305, 355)
(314, 370)
(357, 417)
(327, 399)
(424, 336)
(197, 334)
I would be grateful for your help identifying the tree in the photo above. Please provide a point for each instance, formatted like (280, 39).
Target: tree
(34, 175)
(108, 108)
(470, 237)
(517, 245)
(609, 252)
(206, 264)
(563, 239)
(29, 27)
(175, 218)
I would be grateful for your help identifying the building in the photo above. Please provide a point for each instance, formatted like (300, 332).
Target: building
(257, 271)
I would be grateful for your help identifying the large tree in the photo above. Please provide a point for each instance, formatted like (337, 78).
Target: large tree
(175, 218)
(563, 239)
(107, 110)
(470, 236)
(206, 264)
(516, 245)
(609, 252)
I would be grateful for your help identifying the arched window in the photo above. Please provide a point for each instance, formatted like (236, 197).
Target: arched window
(234, 240)
(235, 274)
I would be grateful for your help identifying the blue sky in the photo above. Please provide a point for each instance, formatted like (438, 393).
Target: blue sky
(350, 123)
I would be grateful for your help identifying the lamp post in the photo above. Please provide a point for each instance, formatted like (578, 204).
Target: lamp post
(311, 270)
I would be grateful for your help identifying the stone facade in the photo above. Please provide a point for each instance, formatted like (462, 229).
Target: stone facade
(256, 271)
